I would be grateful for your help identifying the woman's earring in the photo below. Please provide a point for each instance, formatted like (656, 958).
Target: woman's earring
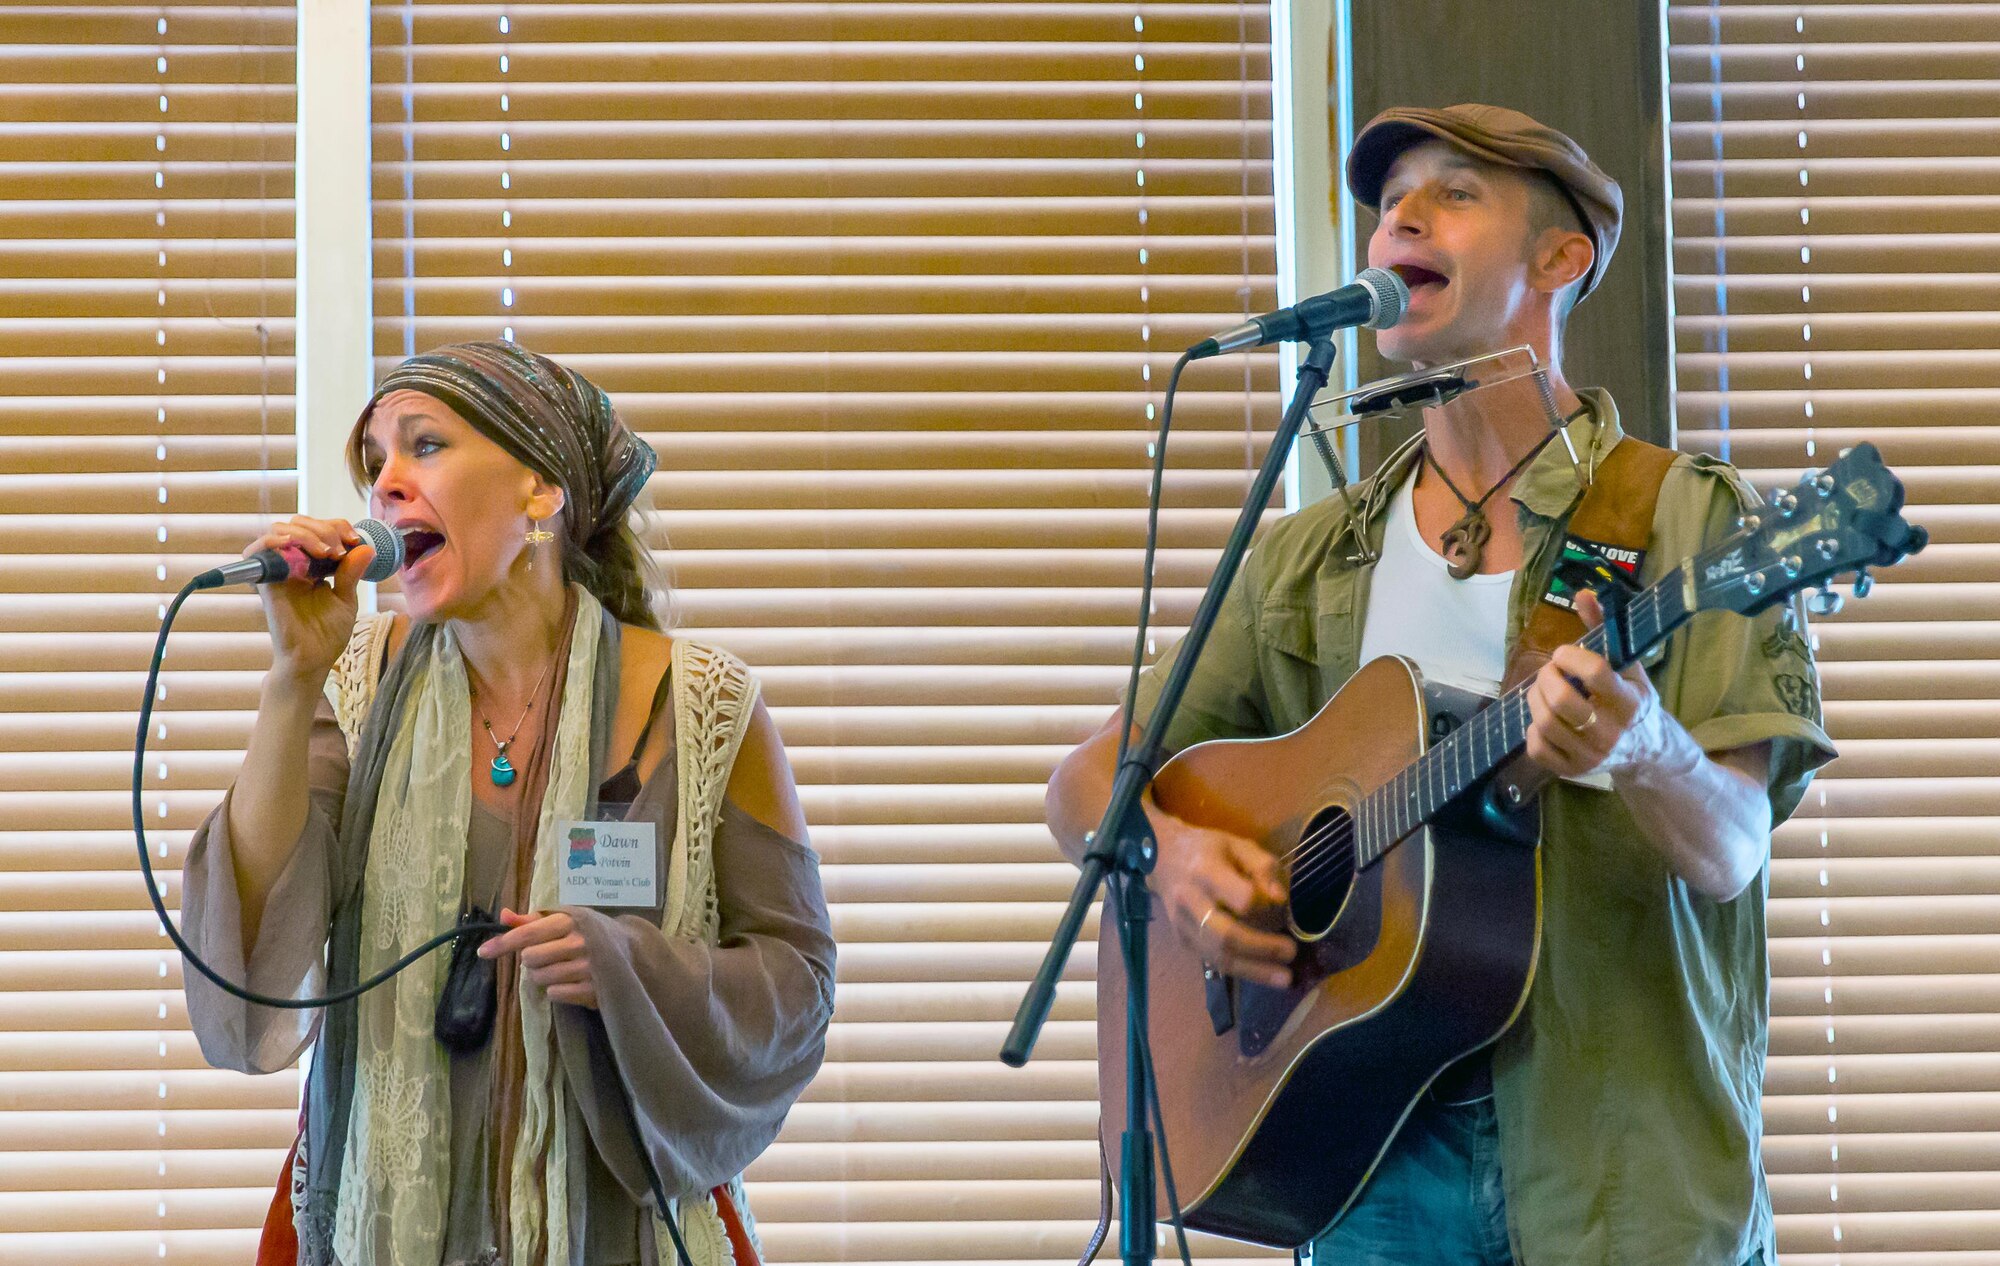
(536, 535)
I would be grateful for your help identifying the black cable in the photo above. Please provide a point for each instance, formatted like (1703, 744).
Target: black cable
(153, 885)
(653, 1180)
(1153, 498)
(305, 1004)
(1166, 1162)
(1103, 1228)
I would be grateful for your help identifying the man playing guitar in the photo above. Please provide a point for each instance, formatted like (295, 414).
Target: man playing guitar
(1617, 1121)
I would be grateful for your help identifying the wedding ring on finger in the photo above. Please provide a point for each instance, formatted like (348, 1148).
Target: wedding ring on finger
(1576, 727)
(1202, 926)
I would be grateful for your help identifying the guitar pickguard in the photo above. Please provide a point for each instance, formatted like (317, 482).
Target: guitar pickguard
(1261, 1011)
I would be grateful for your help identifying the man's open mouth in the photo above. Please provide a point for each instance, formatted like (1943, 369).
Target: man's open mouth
(1419, 278)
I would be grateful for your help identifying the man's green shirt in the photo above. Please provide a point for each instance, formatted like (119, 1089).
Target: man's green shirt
(1629, 1090)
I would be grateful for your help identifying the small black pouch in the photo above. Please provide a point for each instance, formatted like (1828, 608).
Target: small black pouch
(470, 997)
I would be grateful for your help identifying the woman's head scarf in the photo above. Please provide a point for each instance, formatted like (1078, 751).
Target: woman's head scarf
(553, 420)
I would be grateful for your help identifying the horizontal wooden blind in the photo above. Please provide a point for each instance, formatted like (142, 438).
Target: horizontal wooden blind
(145, 430)
(1836, 175)
(892, 288)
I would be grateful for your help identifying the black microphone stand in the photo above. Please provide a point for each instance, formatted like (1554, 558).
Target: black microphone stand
(1123, 843)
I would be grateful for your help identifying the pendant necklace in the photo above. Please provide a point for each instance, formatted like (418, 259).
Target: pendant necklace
(502, 770)
(1465, 541)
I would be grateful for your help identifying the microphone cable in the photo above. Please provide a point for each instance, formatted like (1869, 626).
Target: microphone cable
(1155, 494)
(325, 1000)
(153, 886)
(1153, 497)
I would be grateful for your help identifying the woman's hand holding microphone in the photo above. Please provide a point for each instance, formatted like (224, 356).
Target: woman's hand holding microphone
(310, 622)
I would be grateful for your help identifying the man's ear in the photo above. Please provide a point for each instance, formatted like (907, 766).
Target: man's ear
(1562, 258)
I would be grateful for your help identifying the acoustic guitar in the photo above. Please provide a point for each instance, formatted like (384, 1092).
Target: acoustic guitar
(1414, 891)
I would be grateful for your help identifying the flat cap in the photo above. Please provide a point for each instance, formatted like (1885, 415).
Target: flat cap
(1494, 134)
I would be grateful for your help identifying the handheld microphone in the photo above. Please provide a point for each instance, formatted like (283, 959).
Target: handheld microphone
(1376, 298)
(270, 566)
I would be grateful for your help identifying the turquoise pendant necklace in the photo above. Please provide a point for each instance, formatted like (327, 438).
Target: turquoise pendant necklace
(502, 770)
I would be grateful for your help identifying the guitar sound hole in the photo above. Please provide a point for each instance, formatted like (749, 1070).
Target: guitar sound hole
(1322, 873)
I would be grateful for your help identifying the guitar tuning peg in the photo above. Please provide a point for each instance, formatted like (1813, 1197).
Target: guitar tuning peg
(1785, 502)
(1826, 602)
(1864, 584)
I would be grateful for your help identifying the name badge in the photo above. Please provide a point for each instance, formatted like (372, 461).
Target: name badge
(609, 864)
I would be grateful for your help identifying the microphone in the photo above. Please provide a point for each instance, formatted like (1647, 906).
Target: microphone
(1376, 299)
(269, 566)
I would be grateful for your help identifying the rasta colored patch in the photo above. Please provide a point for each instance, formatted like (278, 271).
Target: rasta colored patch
(1582, 550)
(1798, 695)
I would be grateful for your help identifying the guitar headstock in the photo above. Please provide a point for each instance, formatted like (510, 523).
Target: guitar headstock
(1845, 518)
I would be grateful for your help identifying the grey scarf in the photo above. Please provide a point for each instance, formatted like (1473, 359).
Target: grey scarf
(330, 1085)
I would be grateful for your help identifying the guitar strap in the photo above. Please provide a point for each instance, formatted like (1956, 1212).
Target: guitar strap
(1609, 529)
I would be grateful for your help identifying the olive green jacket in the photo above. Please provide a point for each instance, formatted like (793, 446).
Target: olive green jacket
(1628, 1091)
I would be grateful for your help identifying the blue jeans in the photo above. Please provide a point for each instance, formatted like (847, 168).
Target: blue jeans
(1435, 1200)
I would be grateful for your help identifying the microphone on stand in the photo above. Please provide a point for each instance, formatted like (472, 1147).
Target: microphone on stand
(270, 566)
(1376, 299)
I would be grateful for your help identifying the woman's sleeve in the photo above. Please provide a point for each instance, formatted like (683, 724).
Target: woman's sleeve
(714, 1042)
(288, 958)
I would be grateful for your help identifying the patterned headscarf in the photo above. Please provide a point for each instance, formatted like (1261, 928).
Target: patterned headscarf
(553, 420)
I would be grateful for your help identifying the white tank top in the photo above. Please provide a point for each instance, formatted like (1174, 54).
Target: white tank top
(1455, 630)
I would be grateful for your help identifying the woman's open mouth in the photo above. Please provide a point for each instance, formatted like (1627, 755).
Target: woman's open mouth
(419, 544)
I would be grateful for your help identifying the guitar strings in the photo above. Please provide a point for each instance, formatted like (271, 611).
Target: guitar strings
(1333, 839)
(1331, 842)
(1328, 846)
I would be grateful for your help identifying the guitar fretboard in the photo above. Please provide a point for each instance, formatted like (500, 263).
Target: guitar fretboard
(1473, 750)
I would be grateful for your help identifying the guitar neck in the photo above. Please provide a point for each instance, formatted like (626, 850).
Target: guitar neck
(1458, 761)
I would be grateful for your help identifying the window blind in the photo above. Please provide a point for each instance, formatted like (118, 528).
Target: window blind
(1836, 169)
(892, 288)
(145, 430)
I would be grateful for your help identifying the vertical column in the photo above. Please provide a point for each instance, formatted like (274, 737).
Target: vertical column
(1430, 52)
(1312, 124)
(336, 368)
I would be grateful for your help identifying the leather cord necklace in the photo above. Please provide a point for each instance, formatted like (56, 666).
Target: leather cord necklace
(502, 771)
(1464, 542)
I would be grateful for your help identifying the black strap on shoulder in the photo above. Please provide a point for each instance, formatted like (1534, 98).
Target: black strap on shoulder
(661, 693)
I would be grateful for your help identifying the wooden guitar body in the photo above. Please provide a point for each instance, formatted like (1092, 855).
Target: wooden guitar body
(1279, 1103)
(1416, 902)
